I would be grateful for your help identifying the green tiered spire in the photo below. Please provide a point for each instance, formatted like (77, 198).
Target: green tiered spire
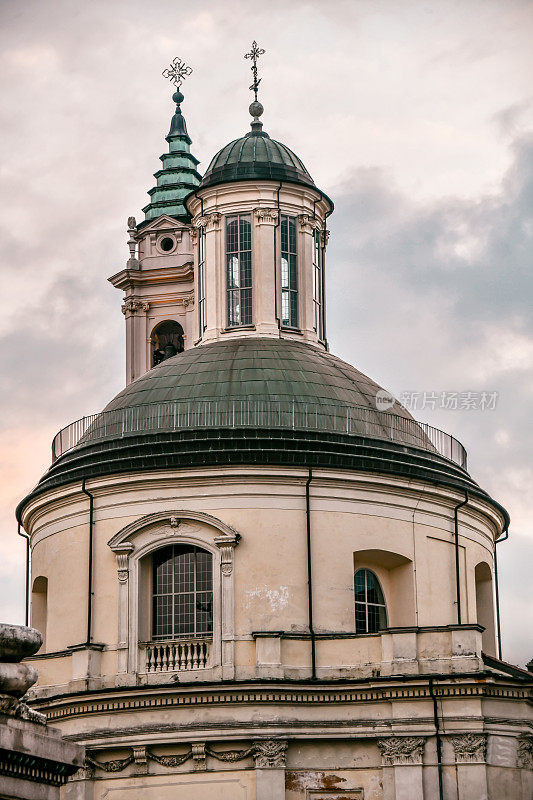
(178, 176)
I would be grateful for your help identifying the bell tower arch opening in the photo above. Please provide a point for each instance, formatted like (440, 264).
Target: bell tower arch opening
(166, 340)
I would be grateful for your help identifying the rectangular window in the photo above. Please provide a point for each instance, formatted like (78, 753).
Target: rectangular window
(289, 272)
(239, 270)
(201, 281)
(318, 286)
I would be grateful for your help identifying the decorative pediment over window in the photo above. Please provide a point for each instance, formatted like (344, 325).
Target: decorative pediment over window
(176, 523)
(134, 547)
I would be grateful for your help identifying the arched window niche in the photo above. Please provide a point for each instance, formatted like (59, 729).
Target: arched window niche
(39, 607)
(485, 606)
(389, 580)
(175, 597)
(166, 340)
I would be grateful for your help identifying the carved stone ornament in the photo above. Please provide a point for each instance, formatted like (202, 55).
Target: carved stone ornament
(208, 221)
(266, 216)
(193, 232)
(116, 765)
(270, 754)
(132, 305)
(230, 756)
(470, 747)
(307, 222)
(85, 773)
(175, 522)
(213, 220)
(199, 756)
(169, 761)
(401, 750)
(123, 557)
(132, 262)
(141, 760)
(324, 237)
(524, 754)
(13, 707)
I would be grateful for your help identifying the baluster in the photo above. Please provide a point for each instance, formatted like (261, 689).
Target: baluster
(173, 653)
(157, 659)
(189, 656)
(195, 655)
(180, 655)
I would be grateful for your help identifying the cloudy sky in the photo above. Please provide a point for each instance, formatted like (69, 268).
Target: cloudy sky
(416, 117)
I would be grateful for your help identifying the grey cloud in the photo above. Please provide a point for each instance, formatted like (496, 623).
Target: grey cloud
(414, 312)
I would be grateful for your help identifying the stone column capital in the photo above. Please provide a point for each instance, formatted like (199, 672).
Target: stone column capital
(524, 753)
(133, 305)
(266, 216)
(270, 754)
(397, 750)
(469, 747)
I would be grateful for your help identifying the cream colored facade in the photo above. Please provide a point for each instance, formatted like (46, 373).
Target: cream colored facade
(264, 202)
(283, 699)
(336, 732)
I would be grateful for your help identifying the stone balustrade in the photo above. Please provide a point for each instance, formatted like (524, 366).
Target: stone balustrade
(175, 656)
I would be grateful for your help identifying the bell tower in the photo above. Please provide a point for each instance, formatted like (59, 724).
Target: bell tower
(158, 280)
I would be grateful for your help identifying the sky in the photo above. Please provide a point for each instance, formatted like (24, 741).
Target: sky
(415, 117)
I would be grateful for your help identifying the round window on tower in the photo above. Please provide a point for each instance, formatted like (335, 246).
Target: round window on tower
(167, 243)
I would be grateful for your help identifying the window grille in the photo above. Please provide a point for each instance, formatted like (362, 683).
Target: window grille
(289, 272)
(182, 592)
(318, 286)
(370, 608)
(201, 281)
(239, 270)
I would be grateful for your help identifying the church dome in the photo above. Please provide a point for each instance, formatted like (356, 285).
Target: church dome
(256, 156)
(253, 369)
(255, 401)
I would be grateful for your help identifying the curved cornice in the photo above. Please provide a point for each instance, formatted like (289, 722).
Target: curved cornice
(119, 540)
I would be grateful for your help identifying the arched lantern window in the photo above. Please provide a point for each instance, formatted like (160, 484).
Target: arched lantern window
(370, 607)
(182, 592)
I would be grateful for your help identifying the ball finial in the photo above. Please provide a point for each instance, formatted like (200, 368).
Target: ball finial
(256, 109)
(178, 97)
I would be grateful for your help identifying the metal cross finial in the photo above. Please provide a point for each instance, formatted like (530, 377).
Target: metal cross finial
(177, 71)
(254, 54)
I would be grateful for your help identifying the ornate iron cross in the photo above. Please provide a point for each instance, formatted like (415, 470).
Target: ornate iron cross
(254, 54)
(177, 71)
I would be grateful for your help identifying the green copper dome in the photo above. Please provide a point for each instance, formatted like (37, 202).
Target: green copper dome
(261, 369)
(178, 176)
(256, 156)
(254, 401)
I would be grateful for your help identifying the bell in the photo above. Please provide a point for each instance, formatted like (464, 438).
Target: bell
(170, 351)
